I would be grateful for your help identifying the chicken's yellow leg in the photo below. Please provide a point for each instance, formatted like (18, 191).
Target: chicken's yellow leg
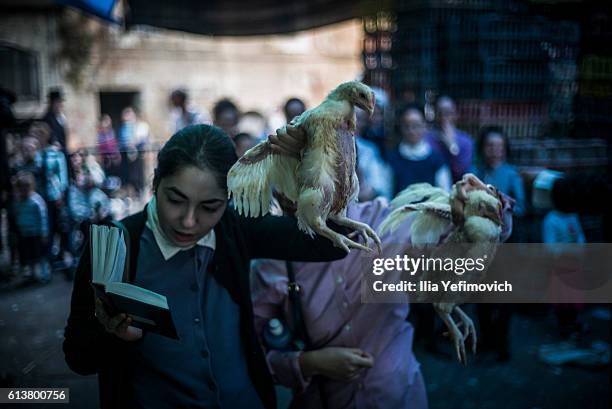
(312, 214)
(362, 228)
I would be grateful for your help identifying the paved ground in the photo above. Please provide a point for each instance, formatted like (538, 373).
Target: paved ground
(32, 320)
(523, 382)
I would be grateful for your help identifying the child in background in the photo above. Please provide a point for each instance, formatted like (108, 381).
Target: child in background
(561, 227)
(30, 213)
(108, 147)
(26, 160)
(29, 162)
(244, 142)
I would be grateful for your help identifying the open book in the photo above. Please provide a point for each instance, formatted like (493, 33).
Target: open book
(148, 310)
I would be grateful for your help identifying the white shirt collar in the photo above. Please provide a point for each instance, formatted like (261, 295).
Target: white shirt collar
(418, 151)
(167, 248)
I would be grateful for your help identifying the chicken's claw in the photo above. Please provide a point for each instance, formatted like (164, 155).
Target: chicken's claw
(470, 329)
(445, 312)
(346, 244)
(362, 229)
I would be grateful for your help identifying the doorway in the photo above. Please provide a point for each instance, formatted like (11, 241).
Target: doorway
(112, 103)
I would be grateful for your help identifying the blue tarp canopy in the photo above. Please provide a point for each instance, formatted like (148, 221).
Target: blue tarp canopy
(99, 8)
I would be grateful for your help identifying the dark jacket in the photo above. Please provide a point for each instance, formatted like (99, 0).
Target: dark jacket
(89, 349)
(58, 131)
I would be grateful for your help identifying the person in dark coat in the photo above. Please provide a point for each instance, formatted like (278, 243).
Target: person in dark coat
(55, 118)
(7, 121)
(191, 247)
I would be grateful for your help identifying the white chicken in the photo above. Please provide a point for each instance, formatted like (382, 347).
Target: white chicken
(465, 223)
(322, 181)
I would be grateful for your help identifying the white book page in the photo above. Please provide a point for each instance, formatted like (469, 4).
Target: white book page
(137, 293)
(97, 271)
(108, 254)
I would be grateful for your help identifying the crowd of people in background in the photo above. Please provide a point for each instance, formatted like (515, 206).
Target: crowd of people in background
(55, 192)
(396, 147)
(51, 194)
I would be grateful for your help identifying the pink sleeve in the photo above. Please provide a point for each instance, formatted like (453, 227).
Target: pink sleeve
(286, 370)
(269, 293)
(372, 212)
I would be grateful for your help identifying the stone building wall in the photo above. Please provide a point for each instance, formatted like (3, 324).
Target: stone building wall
(257, 73)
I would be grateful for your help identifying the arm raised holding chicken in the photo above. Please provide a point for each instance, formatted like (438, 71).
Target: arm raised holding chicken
(321, 180)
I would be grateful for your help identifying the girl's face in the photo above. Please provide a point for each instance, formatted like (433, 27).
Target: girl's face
(28, 150)
(412, 126)
(77, 160)
(106, 122)
(189, 204)
(494, 149)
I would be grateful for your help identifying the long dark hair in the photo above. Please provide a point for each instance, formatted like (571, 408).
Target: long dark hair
(204, 146)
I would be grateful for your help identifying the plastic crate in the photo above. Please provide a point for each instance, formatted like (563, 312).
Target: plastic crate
(417, 76)
(435, 17)
(592, 117)
(535, 91)
(596, 68)
(419, 37)
(378, 78)
(427, 57)
(478, 5)
(513, 130)
(500, 71)
(596, 77)
(501, 27)
(518, 119)
(480, 110)
(378, 61)
(567, 32)
(487, 91)
(563, 70)
(523, 49)
(558, 152)
(595, 89)
(511, 37)
(515, 72)
(594, 109)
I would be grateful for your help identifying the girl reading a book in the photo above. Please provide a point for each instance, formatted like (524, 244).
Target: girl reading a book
(190, 247)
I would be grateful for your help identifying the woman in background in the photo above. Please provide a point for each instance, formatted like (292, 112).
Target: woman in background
(492, 167)
(108, 148)
(414, 160)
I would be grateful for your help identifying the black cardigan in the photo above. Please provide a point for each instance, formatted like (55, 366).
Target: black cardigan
(89, 349)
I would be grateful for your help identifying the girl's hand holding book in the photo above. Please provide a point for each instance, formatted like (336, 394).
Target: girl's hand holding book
(118, 325)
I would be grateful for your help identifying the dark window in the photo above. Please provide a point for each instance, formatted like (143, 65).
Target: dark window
(19, 72)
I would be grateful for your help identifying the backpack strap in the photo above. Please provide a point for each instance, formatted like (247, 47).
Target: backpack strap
(295, 304)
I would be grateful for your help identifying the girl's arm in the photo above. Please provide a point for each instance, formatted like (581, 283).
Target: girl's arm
(278, 237)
